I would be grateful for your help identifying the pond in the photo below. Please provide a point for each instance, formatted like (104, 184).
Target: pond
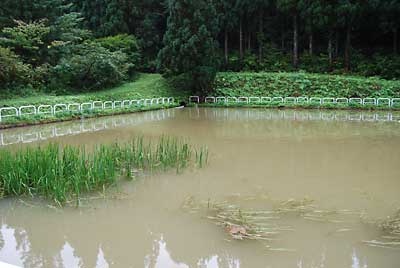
(345, 164)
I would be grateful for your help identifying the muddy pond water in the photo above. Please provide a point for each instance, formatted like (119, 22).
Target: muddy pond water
(258, 158)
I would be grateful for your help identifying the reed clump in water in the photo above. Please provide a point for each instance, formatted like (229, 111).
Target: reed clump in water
(64, 173)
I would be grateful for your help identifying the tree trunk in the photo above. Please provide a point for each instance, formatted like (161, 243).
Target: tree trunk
(310, 44)
(21, 10)
(226, 48)
(395, 41)
(249, 42)
(347, 48)
(330, 50)
(260, 36)
(295, 43)
(337, 44)
(283, 37)
(241, 39)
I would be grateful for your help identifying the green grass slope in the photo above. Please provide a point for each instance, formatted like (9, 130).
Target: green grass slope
(303, 84)
(145, 86)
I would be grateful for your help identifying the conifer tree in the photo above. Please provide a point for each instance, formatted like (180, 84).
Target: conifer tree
(190, 48)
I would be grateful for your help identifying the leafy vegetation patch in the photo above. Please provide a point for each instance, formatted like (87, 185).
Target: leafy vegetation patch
(64, 174)
(302, 84)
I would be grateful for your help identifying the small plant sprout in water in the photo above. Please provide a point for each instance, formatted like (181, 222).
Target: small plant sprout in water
(202, 157)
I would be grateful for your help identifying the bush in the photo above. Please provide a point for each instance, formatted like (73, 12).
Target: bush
(92, 66)
(199, 78)
(302, 84)
(27, 39)
(126, 44)
(13, 71)
(384, 66)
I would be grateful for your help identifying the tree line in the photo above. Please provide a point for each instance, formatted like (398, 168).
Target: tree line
(189, 40)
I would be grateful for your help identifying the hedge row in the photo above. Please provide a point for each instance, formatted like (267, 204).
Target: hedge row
(303, 84)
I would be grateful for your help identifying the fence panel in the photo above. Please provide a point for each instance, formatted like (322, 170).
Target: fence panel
(62, 108)
(6, 109)
(22, 108)
(45, 109)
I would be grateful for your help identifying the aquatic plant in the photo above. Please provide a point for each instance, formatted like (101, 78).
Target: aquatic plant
(61, 173)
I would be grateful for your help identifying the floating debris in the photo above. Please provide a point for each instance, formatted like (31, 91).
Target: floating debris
(264, 225)
(391, 232)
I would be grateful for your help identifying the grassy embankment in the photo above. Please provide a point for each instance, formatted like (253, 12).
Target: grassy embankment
(145, 86)
(226, 84)
(303, 84)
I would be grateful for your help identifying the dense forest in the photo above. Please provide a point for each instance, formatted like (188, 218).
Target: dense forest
(74, 45)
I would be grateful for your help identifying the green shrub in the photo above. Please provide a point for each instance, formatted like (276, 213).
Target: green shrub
(13, 71)
(92, 66)
(384, 66)
(127, 44)
(302, 84)
(27, 40)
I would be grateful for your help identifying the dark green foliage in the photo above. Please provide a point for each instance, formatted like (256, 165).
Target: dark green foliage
(28, 10)
(12, 70)
(92, 66)
(126, 44)
(27, 40)
(190, 48)
(334, 36)
(61, 54)
(302, 84)
(275, 60)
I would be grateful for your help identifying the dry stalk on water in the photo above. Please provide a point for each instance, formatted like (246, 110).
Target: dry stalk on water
(263, 224)
(390, 228)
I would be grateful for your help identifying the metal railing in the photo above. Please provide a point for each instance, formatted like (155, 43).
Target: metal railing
(43, 109)
(381, 102)
(298, 115)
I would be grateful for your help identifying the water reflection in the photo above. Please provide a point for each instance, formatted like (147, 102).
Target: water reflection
(300, 115)
(67, 257)
(12, 249)
(45, 132)
(15, 249)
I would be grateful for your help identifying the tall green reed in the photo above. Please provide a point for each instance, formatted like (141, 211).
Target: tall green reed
(63, 173)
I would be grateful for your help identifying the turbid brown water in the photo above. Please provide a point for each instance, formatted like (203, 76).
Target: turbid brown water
(341, 160)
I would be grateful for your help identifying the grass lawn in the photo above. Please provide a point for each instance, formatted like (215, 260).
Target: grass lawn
(145, 86)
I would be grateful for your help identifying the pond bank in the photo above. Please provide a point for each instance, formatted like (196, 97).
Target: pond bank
(63, 117)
